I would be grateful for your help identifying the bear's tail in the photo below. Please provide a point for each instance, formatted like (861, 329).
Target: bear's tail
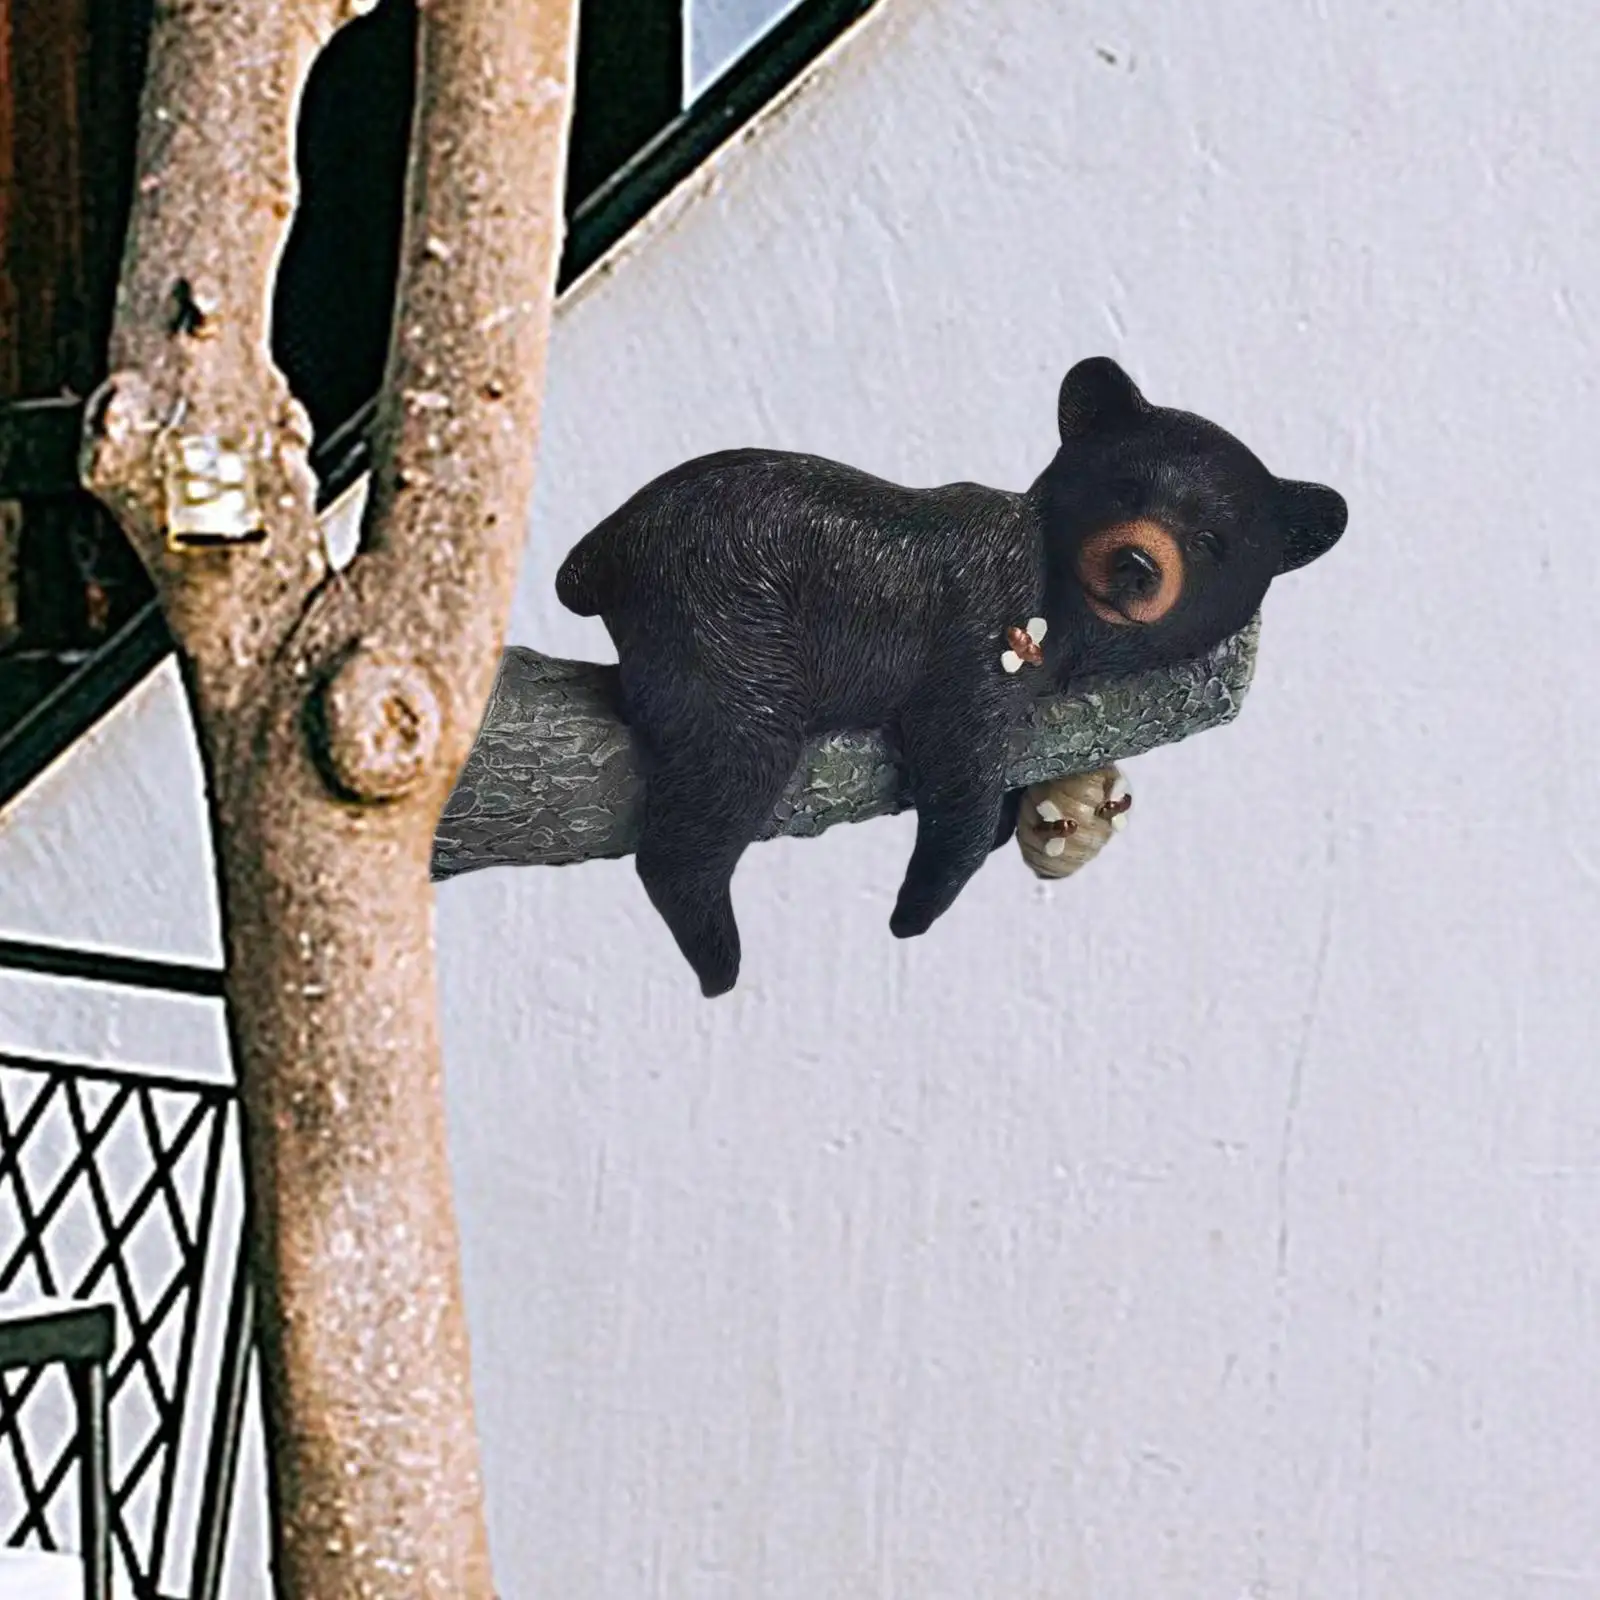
(585, 581)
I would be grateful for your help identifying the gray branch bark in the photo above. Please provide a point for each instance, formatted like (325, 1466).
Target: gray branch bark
(555, 778)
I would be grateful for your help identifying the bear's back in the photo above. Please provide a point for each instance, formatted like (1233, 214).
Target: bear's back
(769, 523)
(769, 565)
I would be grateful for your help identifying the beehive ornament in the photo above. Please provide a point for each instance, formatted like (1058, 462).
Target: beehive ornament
(1064, 824)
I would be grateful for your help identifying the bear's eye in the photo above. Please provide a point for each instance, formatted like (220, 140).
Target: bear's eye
(1206, 543)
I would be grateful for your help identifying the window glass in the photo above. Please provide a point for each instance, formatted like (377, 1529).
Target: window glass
(718, 32)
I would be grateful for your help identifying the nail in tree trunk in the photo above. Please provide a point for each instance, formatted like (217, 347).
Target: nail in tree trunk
(335, 712)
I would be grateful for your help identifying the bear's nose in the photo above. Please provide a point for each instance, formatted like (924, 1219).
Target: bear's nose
(1135, 572)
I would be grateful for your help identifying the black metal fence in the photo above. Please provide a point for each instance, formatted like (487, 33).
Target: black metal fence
(124, 1185)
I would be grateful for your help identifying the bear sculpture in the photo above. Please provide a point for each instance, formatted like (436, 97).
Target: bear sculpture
(757, 598)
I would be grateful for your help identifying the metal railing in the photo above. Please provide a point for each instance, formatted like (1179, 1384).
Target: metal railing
(123, 1184)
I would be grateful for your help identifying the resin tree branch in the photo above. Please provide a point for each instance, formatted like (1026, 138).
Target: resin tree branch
(334, 711)
(554, 777)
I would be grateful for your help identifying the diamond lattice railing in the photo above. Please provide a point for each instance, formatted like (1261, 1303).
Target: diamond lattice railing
(109, 1184)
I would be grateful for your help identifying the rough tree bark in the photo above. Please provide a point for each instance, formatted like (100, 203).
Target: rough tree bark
(554, 777)
(335, 710)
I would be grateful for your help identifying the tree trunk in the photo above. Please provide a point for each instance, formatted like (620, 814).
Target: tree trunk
(335, 711)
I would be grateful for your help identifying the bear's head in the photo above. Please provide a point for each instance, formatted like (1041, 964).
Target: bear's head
(1162, 532)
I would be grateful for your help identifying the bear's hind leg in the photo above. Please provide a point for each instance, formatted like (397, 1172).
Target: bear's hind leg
(705, 800)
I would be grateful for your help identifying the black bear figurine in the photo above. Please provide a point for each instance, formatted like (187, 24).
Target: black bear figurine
(758, 597)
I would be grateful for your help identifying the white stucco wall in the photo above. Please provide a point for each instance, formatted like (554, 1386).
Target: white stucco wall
(1226, 1222)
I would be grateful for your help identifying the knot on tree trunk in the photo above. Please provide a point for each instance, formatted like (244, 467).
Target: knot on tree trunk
(116, 424)
(376, 725)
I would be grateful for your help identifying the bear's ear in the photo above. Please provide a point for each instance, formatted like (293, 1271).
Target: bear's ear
(1312, 517)
(1095, 394)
